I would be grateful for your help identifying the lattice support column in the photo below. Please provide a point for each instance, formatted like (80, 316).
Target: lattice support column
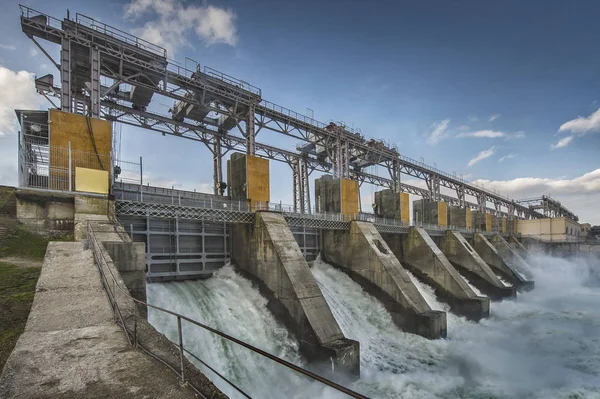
(396, 176)
(305, 183)
(250, 132)
(66, 99)
(95, 82)
(295, 165)
(219, 188)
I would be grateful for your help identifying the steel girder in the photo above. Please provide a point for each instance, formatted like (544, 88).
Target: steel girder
(127, 63)
(133, 208)
(549, 207)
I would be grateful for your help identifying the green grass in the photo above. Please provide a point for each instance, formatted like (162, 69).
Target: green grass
(18, 242)
(17, 288)
(6, 194)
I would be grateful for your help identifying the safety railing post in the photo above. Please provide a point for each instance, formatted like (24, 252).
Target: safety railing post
(135, 337)
(114, 298)
(180, 333)
(70, 169)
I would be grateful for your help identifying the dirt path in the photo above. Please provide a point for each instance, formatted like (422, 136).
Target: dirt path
(21, 262)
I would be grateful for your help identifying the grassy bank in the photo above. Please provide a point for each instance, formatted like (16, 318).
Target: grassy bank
(21, 243)
(20, 265)
(17, 288)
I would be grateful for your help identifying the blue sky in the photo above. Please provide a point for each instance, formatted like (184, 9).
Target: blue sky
(445, 80)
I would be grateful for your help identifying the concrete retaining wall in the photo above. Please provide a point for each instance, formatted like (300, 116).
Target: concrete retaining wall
(130, 260)
(490, 255)
(423, 257)
(268, 251)
(363, 253)
(44, 212)
(462, 255)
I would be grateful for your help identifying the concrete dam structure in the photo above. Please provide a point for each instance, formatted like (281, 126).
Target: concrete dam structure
(175, 263)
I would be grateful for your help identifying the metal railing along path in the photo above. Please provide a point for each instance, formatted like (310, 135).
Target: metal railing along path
(117, 294)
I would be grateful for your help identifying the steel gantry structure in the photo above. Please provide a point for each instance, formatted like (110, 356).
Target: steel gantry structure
(548, 206)
(224, 113)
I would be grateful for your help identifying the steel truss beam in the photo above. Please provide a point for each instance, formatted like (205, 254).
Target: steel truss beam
(124, 60)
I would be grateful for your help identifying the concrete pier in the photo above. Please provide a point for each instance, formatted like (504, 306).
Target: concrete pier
(459, 217)
(389, 204)
(482, 221)
(517, 246)
(462, 255)
(269, 252)
(338, 195)
(430, 212)
(422, 256)
(365, 256)
(509, 254)
(492, 257)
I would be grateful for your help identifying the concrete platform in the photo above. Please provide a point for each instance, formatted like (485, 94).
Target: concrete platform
(71, 347)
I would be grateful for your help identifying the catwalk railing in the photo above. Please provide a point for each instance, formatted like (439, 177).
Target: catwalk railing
(45, 167)
(126, 311)
(148, 201)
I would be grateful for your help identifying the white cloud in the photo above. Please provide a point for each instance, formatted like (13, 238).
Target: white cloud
(473, 118)
(491, 134)
(439, 132)
(509, 156)
(581, 194)
(482, 155)
(9, 47)
(176, 19)
(482, 134)
(494, 117)
(562, 142)
(582, 125)
(18, 92)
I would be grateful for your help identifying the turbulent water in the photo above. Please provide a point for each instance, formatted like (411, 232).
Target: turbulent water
(544, 345)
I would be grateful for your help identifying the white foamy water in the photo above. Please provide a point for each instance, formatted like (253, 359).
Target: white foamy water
(544, 345)
(229, 303)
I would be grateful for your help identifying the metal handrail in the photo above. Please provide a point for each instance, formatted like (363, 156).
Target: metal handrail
(133, 340)
(28, 12)
(232, 80)
(118, 34)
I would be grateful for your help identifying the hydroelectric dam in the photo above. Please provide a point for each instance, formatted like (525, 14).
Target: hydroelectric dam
(174, 293)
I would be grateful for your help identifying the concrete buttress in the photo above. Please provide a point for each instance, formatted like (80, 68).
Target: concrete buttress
(498, 263)
(462, 255)
(366, 257)
(423, 257)
(268, 251)
(517, 246)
